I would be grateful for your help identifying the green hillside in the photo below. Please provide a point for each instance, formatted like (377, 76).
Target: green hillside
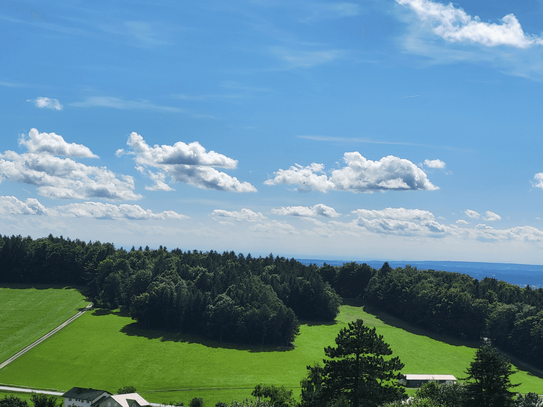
(107, 350)
(26, 314)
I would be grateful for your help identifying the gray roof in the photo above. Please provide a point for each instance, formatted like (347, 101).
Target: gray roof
(84, 394)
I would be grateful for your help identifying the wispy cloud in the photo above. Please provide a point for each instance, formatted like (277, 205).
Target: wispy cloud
(296, 58)
(123, 104)
(369, 141)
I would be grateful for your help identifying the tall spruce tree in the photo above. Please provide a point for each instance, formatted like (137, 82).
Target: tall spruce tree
(489, 379)
(357, 369)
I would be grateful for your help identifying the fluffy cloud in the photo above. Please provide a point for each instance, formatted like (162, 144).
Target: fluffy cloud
(51, 143)
(434, 164)
(456, 25)
(305, 211)
(462, 222)
(13, 206)
(360, 175)
(108, 211)
(491, 216)
(471, 214)
(539, 178)
(186, 163)
(243, 215)
(396, 213)
(46, 103)
(62, 178)
(400, 221)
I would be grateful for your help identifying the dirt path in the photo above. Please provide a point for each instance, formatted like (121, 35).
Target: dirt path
(43, 338)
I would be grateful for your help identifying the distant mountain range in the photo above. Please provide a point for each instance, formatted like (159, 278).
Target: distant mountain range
(520, 274)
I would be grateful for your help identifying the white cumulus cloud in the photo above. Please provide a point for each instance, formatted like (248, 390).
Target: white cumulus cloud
(243, 215)
(13, 206)
(359, 175)
(434, 164)
(539, 180)
(400, 221)
(455, 25)
(186, 163)
(62, 178)
(491, 216)
(305, 211)
(101, 210)
(51, 143)
(472, 214)
(46, 103)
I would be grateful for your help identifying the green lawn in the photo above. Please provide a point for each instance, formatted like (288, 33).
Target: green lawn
(108, 351)
(26, 314)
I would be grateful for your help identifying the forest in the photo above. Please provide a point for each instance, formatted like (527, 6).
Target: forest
(235, 298)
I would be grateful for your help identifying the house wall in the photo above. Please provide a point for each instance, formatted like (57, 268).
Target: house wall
(76, 403)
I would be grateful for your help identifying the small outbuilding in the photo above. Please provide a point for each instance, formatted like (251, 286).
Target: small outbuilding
(417, 380)
(123, 400)
(82, 397)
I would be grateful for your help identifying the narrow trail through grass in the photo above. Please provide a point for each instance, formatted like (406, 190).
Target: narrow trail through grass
(26, 314)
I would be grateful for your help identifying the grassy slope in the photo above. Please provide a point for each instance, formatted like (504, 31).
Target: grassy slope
(27, 314)
(108, 351)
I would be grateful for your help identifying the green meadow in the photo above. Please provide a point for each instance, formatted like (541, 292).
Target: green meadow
(107, 350)
(26, 314)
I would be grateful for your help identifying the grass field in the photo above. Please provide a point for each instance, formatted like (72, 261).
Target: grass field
(27, 314)
(107, 351)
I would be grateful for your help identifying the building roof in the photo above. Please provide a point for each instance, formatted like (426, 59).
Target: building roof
(84, 394)
(429, 377)
(125, 399)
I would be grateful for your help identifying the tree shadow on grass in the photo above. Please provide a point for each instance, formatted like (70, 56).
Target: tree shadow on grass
(36, 286)
(398, 323)
(135, 329)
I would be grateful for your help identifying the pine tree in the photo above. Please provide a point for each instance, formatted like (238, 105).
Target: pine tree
(489, 376)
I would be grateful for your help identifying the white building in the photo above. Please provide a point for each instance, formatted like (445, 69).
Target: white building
(81, 397)
(417, 380)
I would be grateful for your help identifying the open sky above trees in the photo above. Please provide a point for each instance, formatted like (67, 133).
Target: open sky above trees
(390, 129)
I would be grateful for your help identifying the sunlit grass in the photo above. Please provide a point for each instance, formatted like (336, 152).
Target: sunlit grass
(108, 351)
(26, 314)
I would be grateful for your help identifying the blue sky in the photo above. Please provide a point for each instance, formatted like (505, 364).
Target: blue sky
(390, 129)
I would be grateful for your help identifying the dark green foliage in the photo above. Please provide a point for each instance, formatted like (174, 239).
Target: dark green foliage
(459, 305)
(44, 400)
(197, 402)
(443, 395)
(127, 390)
(358, 369)
(529, 400)
(221, 404)
(489, 379)
(226, 297)
(277, 396)
(12, 401)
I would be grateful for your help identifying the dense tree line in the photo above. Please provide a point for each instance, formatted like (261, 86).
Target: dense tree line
(450, 303)
(231, 297)
(226, 297)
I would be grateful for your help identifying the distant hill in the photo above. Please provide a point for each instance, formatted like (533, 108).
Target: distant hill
(519, 274)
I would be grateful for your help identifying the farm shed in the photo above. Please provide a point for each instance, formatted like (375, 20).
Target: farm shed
(417, 380)
(123, 400)
(81, 397)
